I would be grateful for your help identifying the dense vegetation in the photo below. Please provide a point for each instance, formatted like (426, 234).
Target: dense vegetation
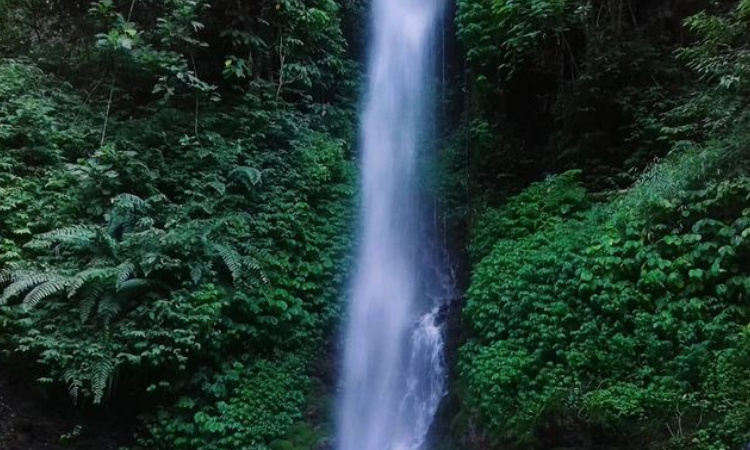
(607, 150)
(175, 206)
(176, 209)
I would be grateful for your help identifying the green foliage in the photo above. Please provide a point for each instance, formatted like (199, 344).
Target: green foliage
(621, 320)
(569, 84)
(243, 406)
(598, 321)
(503, 35)
(36, 132)
(271, 237)
(715, 57)
(162, 213)
(539, 206)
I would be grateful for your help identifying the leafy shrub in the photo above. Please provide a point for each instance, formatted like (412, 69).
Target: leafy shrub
(624, 327)
(35, 135)
(539, 206)
(176, 192)
(245, 405)
(173, 252)
(507, 34)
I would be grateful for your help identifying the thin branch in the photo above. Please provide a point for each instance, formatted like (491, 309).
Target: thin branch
(87, 99)
(671, 433)
(282, 59)
(282, 64)
(112, 87)
(132, 7)
(632, 14)
(109, 108)
(573, 62)
(197, 97)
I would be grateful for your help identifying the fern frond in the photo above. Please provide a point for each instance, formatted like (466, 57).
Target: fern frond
(145, 222)
(89, 300)
(12, 272)
(74, 384)
(88, 275)
(261, 253)
(255, 266)
(99, 262)
(77, 234)
(134, 284)
(24, 283)
(231, 259)
(110, 244)
(86, 307)
(129, 202)
(109, 308)
(101, 373)
(124, 211)
(254, 262)
(196, 273)
(124, 272)
(116, 222)
(38, 244)
(44, 290)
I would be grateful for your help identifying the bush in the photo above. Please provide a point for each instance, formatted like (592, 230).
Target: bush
(590, 323)
(245, 405)
(135, 269)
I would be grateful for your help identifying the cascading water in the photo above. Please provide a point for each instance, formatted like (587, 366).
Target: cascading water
(394, 374)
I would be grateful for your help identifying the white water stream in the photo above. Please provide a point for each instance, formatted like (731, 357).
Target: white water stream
(393, 375)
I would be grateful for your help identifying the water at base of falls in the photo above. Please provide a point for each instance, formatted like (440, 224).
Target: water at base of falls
(393, 376)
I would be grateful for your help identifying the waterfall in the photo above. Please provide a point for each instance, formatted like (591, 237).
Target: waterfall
(393, 376)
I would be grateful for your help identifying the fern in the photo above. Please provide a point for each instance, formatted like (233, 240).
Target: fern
(124, 272)
(231, 259)
(129, 202)
(74, 383)
(134, 284)
(109, 308)
(24, 283)
(255, 265)
(110, 244)
(44, 290)
(99, 262)
(82, 278)
(12, 272)
(145, 222)
(116, 223)
(89, 301)
(101, 373)
(77, 234)
(125, 209)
